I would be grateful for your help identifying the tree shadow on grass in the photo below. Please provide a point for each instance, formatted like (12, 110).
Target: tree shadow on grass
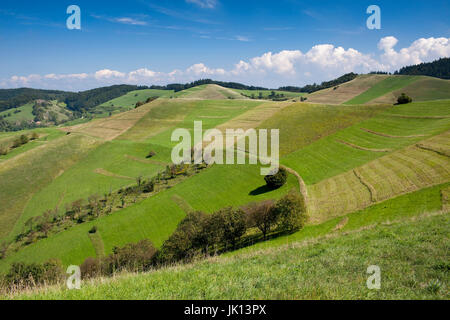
(260, 190)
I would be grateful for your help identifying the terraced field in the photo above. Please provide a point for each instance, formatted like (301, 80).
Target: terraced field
(387, 85)
(329, 157)
(424, 89)
(209, 92)
(351, 157)
(400, 172)
(346, 91)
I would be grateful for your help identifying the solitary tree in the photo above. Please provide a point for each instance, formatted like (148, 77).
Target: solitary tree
(276, 180)
(404, 99)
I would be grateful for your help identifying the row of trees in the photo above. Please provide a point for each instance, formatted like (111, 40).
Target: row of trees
(439, 69)
(324, 85)
(200, 235)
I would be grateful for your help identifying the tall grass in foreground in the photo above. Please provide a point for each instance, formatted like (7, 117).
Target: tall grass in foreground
(413, 256)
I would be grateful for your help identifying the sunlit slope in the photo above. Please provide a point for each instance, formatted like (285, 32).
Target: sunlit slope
(386, 86)
(301, 124)
(209, 92)
(129, 100)
(323, 268)
(346, 91)
(403, 171)
(424, 89)
(156, 217)
(355, 136)
(398, 127)
(118, 162)
(27, 173)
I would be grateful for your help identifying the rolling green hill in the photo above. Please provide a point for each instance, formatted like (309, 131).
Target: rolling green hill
(362, 164)
(412, 256)
(380, 89)
(391, 83)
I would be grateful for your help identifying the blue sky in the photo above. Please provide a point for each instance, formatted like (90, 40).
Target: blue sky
(154, 42)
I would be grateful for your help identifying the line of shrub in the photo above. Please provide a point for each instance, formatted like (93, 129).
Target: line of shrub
(197, 235)
(18, 142)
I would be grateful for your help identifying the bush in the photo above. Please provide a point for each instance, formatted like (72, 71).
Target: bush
(276, 180)
(24, 139)
(291, 210)
(3, 151)
(151, 154)
(132, 257)
(34, 136)
(149, 187)
(186, 239)
(404, 99)
(91, 268)
(30, 275)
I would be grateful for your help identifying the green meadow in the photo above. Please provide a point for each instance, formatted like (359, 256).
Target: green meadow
(365, 166)
(383, 87)
(412, 256)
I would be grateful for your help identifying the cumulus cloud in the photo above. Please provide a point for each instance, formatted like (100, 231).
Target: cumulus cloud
(421, 50)
(288, 67)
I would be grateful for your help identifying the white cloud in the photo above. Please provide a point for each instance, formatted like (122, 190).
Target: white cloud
(108, 74)
(208, 4)
(122, 20)
(131, 21)
(421, 50)
(288, 67)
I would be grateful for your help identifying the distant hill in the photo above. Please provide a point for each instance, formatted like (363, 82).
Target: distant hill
(12, 98)
(310, 88)
(76, 101)
(383, 88)
(439, 69)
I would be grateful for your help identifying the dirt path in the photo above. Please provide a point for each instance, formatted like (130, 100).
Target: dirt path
(301, 183)
(363, 148)
(391, 136)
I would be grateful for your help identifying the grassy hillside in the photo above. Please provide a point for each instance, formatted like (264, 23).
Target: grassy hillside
(391, 83)
(410, 123)
(412, 256)
(24, 113)
(208, 92)
(129, 100)
(346, 91)
(424, 89)
(325, 144)
(265, 93)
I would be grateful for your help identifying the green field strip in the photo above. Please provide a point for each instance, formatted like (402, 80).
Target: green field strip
(27, 174)
(110, 157)
(325, 158)
(186, 207)
(156, 217)
(401, 172)
(383, 87)
(97, 243)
